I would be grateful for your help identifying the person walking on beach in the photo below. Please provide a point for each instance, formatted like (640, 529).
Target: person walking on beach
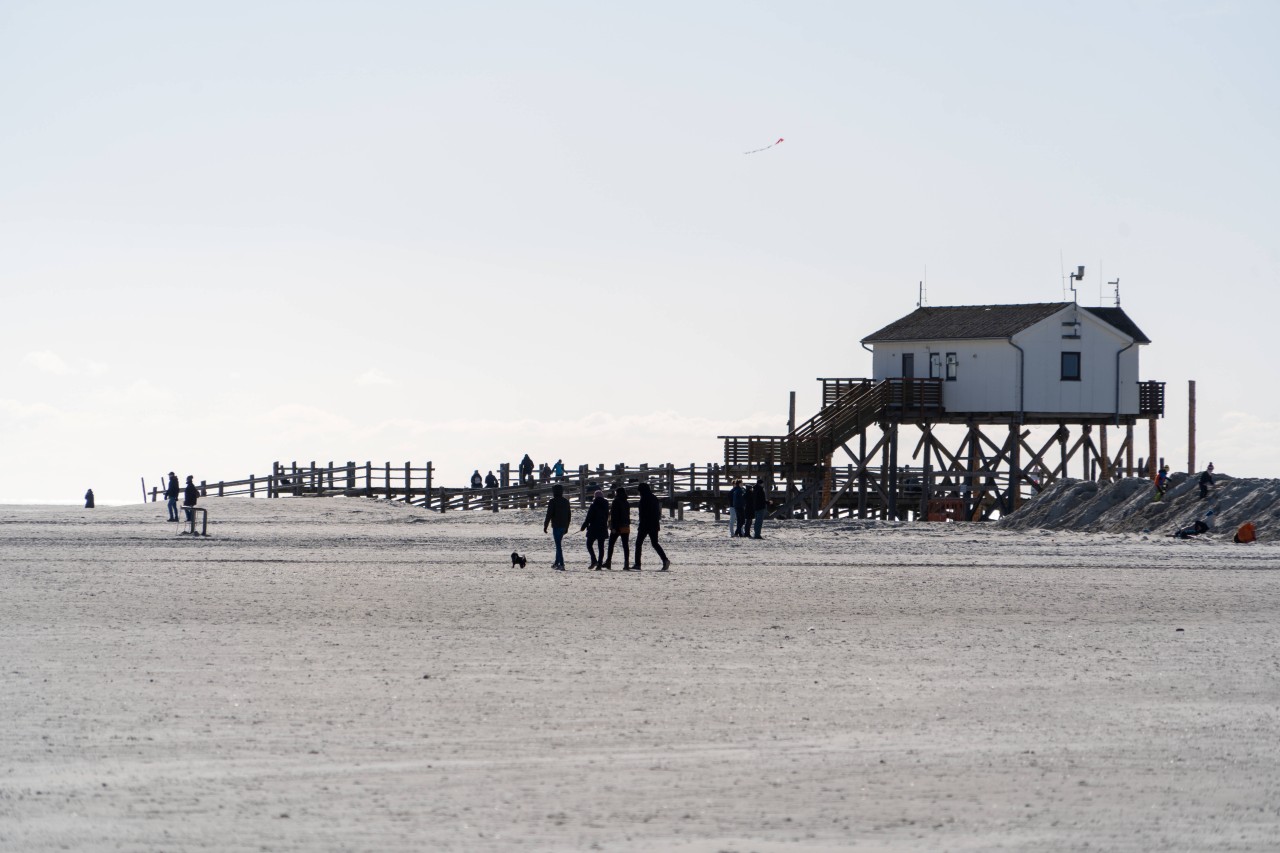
(761, 504)
(620, 528)
(477, 482)
(737, 506)
(526, 470)
(650, 520)
(171, 492)
(1206, 481)
(597, 527)
(190, 495)
(558, 515)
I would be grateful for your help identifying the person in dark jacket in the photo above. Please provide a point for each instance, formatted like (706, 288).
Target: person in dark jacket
(526, 470)
(737, 506)
(171, 492)
(1206, 481)
(558, 515)
(190, 495)
(650, 520)
(761, 504)
(490, 481)
(477, 482)
(748, 514)
(620, 528)
(88, 499)
(597, 527)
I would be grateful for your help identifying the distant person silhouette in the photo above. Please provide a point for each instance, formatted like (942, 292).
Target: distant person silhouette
(1206, 481)
(490, 481)
(88, 499)
(526, 469)
(171, 493)
(190, 495)
(650, 521)
(558, 469)
(477, 482)
(620, 528)
(761, 504)
(737, 508)
(558, 515)
(597, 527)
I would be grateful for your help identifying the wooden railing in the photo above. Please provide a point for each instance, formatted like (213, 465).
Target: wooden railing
(1151, 399)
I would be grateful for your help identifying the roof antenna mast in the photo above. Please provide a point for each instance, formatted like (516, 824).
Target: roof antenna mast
(1116, 285)
(1078, 275)
(922, 294)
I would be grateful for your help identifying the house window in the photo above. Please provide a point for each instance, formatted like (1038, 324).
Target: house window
(1071, 367)
(953, 364)
(935, 365)
(908, 365)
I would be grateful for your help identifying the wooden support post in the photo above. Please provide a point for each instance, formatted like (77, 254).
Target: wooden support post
(386, 480)
(368, 478)
(715, 489)
(1191, 426)
(427, 491)
(408, 483)
(671, 489)
(893, 471)
(1102, 452)
(219, 488)
(1015, 466)
(1128, 450)
(1063, 435)
(444, 499)
(203, 490)
(273, 490)
(251, 488)
(884, 469)
(862, 474)
(504, 474)
(1152, 448)
(1085, 459)
(791, 415)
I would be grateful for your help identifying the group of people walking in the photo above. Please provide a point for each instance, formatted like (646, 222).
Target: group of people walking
(611, 520)
(190, 495)
(747, 508)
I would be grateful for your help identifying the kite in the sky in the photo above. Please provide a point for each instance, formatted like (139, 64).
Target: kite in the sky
(766, 148)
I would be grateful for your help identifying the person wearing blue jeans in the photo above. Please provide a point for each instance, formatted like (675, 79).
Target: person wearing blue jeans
(171, 492)
(558, 515)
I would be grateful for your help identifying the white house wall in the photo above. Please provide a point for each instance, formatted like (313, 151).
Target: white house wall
(987, 374)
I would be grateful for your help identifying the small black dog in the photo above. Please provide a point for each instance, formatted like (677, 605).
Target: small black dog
(517, 560)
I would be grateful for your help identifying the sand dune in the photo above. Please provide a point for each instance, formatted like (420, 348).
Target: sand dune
(342, 674)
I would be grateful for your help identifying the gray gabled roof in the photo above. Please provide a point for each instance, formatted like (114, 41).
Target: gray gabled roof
(970, 322)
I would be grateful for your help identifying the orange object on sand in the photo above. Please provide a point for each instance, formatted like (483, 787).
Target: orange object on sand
(1246, 533)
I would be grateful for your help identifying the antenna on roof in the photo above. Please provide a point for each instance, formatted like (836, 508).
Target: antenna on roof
(1116, 285)
(1078, 275)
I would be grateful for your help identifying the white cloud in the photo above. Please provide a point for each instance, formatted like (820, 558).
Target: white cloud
(49, 362)
(138, 391)
(16, 410)
(374, 376)
(96, 368)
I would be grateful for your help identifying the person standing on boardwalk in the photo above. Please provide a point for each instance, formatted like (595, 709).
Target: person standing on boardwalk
(650, 520)
(477, 481)
(558, 515)
(761, 504)
(526, 469)
(737, 506)
(620, 528)
(190, 495)
(558, 469)
(597, 527)
(171, 492)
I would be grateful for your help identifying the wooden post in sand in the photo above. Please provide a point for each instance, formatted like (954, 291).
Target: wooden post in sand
(408, 483)
(430, 471)
(1191, 426)
(1128, 450)
(714, 477)
(1152, 449)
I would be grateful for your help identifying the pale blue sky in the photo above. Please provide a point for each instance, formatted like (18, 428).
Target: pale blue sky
(254, 231)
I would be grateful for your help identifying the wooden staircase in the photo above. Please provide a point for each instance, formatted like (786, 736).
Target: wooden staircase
(849, 407)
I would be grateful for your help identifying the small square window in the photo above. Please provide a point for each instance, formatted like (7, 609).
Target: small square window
(1071, 367)
(953, 365)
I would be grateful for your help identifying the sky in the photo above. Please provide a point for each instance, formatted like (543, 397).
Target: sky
(242, 232)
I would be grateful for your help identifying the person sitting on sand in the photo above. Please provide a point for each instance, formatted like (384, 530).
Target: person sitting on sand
(1206, 481)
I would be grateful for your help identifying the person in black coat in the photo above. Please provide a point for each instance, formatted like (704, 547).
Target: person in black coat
(761, 504)
(737, 506)
(171, 493)
(650, 522)
(190, 495)
(526, 470)
(620, 528)
(597, 527)
(490, 481)
(88, 499)
(477, 481)
(748, 513)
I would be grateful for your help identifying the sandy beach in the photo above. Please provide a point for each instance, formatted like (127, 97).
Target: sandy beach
(351, 675)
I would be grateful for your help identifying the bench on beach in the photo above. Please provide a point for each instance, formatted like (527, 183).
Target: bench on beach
(204, 520)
